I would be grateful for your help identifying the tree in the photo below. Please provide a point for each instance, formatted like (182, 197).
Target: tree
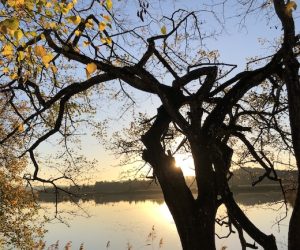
(291, 78)
(217, 116)
(18, 209)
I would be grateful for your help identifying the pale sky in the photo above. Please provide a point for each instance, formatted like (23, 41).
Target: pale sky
(235, 45)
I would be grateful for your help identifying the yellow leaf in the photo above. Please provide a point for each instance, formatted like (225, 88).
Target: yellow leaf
(89, 24)
(64, 30)
(77, 32)
(106, 40)
(29, 5)
(74, 19)
(289, 7)
(66, 8)
(109, 4)
(102, 26)
(18, 35)
(70, 5)
(21, 127)
(8, 50)
(13, 24)
(163, 30)
(15, 3)
(11, 3)
(28, 50)
(51, 25)
(9, 25)
(90, 69)
(3, 28)
(21, 55)
(13, 76)
(5, 70)
(48, 13)
(31, 33)
(106, 17)
(40, 51)
(48, 5)
(86, 43)
(47, 59)
(10, 32)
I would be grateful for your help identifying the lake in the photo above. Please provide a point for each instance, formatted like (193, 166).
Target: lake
(144, 222)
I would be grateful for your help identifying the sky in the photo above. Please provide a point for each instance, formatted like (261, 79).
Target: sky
(238, 41)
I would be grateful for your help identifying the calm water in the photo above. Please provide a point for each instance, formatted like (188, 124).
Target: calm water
(120, 222)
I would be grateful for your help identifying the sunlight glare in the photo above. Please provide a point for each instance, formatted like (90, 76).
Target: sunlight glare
(186, 164)
(165, 213)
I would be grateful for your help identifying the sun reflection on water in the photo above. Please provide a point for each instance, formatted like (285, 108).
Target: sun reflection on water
(165, 213)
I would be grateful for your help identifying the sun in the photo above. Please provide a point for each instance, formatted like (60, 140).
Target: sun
(186, 163)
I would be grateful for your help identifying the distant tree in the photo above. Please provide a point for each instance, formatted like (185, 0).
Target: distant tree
(220, 120)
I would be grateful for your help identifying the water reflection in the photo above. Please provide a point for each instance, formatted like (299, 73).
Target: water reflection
(121, 224)
(129, 218)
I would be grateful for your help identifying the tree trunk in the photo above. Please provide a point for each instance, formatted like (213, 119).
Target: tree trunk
(194, 219)
(291, 78)
(195, 224)
(293, 88)
(294, 227)
(196, 228)
(200, 233)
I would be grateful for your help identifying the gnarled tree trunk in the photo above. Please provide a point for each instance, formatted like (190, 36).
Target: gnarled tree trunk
(195, 220)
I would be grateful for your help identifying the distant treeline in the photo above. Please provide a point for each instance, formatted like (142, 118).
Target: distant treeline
(244, 198)
(241, 180)
(247, 176)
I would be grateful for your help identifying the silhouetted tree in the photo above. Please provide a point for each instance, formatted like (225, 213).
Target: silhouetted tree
(217, 116)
